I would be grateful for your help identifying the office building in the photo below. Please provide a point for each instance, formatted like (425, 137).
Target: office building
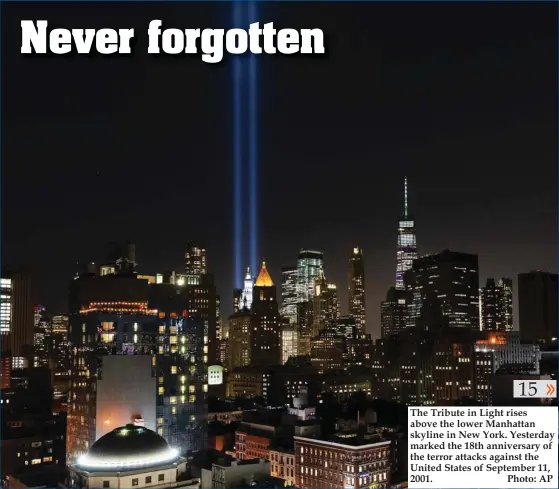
(407, 242)
(448, 282)
(17, 316)
(289, 340)
(356, 282)
(538, 306)
(393, 312)
(195, 263)
(266, 321)
(309, 264)
(237, 304)
(326, 307)
(495, 305)
(202, 303)
(501, 351)
(239, 340)
(289, 294)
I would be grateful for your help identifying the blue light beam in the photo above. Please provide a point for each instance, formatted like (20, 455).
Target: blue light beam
(237, 157)
(253, 150)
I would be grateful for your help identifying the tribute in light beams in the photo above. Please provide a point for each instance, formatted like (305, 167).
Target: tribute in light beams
(245, 150)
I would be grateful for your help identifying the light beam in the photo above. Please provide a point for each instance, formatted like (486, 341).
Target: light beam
(253, 145)
(237, 159)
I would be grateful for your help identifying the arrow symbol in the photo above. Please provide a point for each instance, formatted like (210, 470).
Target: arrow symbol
(550, 389)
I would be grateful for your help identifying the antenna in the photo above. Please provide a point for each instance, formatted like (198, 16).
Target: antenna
(405, 196)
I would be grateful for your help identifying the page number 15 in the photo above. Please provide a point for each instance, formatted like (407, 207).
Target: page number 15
(528, 389)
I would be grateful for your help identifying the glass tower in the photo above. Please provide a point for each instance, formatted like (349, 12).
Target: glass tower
(407, 245)
(309, 264)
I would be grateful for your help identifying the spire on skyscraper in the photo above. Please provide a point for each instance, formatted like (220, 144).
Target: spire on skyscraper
(405, 196)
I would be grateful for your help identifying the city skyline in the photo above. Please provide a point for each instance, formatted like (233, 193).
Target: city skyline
(476, 115)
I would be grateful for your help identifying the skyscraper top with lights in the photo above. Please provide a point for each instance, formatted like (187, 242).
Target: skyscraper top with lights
(407, 243)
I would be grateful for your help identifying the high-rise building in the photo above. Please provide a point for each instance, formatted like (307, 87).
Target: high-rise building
(42, 337)
(502, 350)
(393, 312)
(289, 294)
(537, 306)
(195, 263)
(289, 340)
(202, 303)
(407, 244)
(446, 283)
(17, 317)
(117, 314)
(326, 307)
(356, 282)
(495, 305)
(246, 296)
(239, 341)
(237, 304)
(5, 310)
(309, 264)
(266, 321)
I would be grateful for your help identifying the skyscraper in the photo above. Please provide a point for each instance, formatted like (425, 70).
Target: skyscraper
(289, 294)
(495, 305)
(356, 282)
(309, 264)
(407, 245)
(266, 322)
(17, 316)
(195, 263)
(446, 283)
(326, 307)
(246, 297)
(393, 312)
(537, 305)
(121, 317)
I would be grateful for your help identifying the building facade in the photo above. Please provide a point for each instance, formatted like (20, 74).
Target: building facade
(495, 305)
(407, 242)
(538, 306)
(446, 283)
(356, 282)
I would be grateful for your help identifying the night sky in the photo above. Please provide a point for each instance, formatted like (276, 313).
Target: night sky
(461, 98)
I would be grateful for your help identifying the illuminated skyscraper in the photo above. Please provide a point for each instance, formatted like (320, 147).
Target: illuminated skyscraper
(326, 307)
(446, 283)
(195, 263)
(289, 294)
(121, 318)
(393, 312)
(407, 244)
(17, 316)
(309, 264)
(356, 282)
(495, 305)
(246, 296)
(266, 322)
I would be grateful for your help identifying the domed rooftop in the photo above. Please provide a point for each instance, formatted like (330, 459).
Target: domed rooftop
(128, 448)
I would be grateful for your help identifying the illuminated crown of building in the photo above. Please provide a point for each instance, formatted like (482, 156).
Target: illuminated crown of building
(246, 296)
(264, 279)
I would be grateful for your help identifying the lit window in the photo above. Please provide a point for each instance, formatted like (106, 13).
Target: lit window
(161, 390)
(35, 461)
